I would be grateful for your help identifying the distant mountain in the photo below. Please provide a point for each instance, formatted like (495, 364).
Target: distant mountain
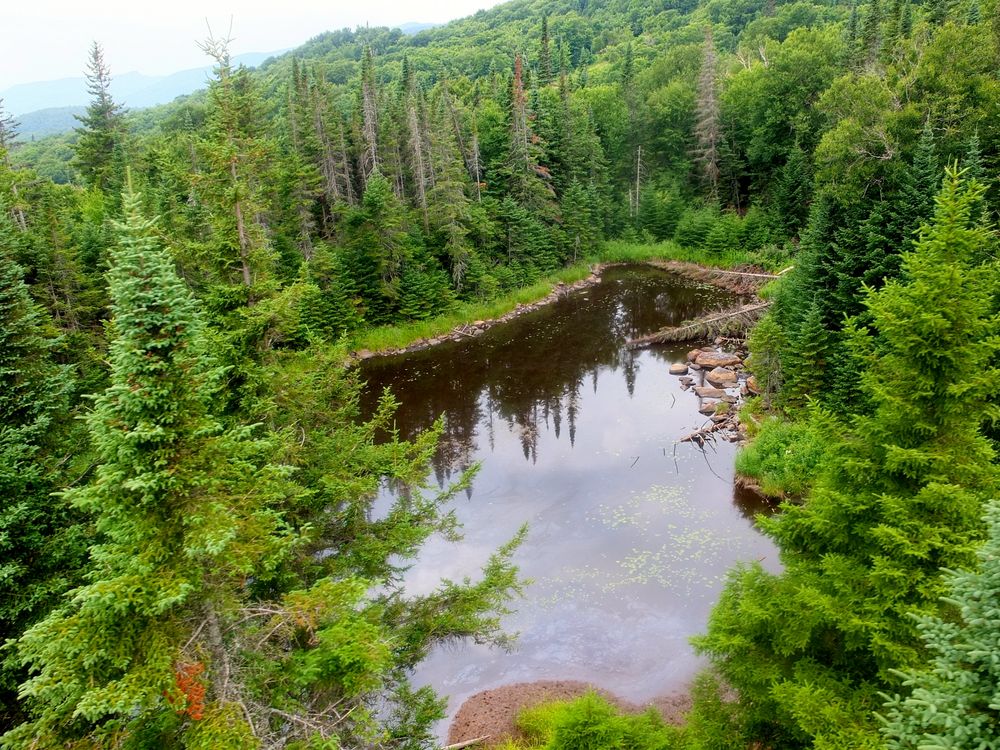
(135, 90)
(49, 121)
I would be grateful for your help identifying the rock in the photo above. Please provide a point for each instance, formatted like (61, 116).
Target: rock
(707, 391)
(685, 386)
(479, 323)
(687, 380)
(364, 354)
(718, 340)
(717, 359)
(708, 407)
(721, 377)
(753, 386)
(695, 367)
(693, 354)
(678, 369)
(729, 399)
(719, 418)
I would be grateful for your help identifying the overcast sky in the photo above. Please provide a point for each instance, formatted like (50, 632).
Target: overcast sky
(47, 39)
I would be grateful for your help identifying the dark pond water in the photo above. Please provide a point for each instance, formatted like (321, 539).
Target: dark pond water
(630, 535)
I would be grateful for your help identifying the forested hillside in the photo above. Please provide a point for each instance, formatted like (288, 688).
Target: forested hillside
(187, 546)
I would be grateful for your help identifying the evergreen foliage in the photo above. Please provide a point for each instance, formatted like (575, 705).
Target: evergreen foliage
(899, 499)
(953, 703)
(99, 146)
(370, 178)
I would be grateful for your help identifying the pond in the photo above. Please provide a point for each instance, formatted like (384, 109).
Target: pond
(630, 533)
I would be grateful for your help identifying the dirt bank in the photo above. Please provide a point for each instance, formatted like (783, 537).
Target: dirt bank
(493, 713)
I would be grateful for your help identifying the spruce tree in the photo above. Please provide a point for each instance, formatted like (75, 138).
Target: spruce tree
(181, 510)
(953, 701)
(871, 38)
(41, 547)
(545, 75)
(707, 131)
(809, 649)
(906, 21)
(101, 139)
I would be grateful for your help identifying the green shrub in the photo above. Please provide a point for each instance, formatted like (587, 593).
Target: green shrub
(591, 723)
(694, 226)
(784, 458)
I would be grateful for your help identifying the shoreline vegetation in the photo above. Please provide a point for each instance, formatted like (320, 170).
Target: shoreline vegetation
(469, 319)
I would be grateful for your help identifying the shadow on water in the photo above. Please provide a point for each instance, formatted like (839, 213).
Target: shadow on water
(630, 534)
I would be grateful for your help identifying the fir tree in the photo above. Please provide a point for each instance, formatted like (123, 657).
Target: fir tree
(871, 38)
(794, 190)
(852, 28)
(938, 12)
(41, 546)
(237, 152)
(906, 21)
(98, 148)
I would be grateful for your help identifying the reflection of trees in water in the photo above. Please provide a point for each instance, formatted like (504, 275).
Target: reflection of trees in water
(529, 374)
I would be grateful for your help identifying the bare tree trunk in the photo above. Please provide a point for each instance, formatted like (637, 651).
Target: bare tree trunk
(419, 162)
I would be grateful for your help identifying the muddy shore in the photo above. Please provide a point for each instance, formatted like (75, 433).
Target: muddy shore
(492, 714)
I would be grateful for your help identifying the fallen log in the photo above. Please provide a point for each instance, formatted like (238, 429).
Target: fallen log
(467, 743)
(726, 324)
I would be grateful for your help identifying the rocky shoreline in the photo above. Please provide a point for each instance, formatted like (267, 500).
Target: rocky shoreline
(719, 379)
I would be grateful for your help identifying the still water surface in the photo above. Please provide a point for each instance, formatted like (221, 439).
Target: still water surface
(630, 535)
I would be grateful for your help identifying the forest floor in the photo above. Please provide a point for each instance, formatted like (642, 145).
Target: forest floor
(492, 714)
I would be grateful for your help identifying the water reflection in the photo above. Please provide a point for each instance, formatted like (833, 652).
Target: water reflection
(630, 534)
(527, 376)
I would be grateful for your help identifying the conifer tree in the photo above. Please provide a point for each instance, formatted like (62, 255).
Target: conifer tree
(926, 170)
(237, 154)
(902, 498)
(871, 32)
(952, 702)
(41, 547)
(102, 136)
(906, 22)
(852, 28)
(181, 506)
(545, 75)
(794, 190)
(938, 12)
(529, 180)
(369, 117)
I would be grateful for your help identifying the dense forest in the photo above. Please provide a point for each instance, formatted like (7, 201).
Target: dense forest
(187, 548)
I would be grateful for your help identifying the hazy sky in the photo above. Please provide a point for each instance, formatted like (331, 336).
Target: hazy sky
(47, 39)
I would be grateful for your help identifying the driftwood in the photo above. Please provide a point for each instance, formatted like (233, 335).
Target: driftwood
(747, 280)
(467, 743)
(733, 323)
(707, 433)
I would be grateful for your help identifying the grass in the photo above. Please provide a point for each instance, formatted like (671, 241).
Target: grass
(404, 334)
(620, 251)
(386, 338)
(784, 457)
